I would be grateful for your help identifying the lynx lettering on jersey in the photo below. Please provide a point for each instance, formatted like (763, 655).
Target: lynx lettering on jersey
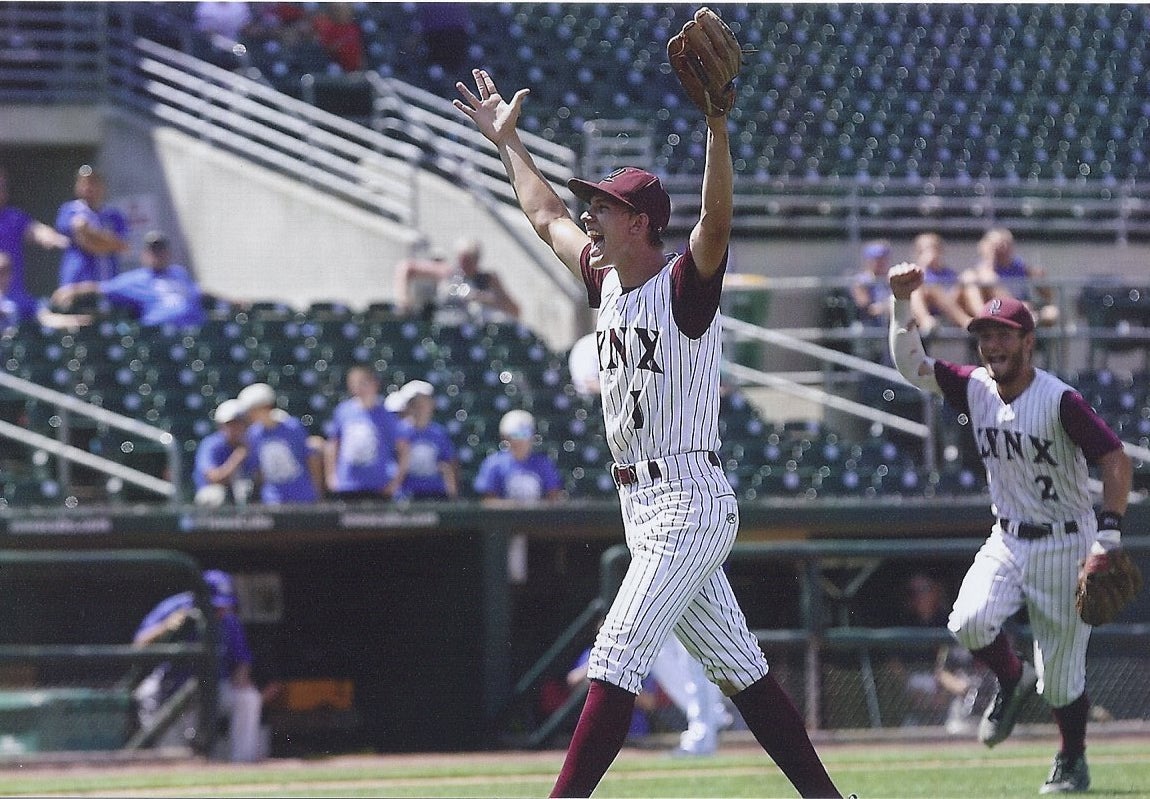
(1013, 446)
(615, 346)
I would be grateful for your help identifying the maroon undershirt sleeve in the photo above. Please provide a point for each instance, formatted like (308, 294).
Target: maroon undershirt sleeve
(695, 300)
(1086, 428)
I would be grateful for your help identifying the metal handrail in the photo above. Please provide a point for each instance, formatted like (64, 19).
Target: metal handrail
(435, 122)
(167, 488)
(243, 115)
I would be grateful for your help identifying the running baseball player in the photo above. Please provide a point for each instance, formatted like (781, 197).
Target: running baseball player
(1036, 436)
(659, 340)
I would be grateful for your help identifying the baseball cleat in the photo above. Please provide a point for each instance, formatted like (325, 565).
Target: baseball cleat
(1067, 776)
(999, 718)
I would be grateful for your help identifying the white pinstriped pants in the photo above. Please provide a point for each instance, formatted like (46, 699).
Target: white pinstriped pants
(679, 532)
(1008, 572)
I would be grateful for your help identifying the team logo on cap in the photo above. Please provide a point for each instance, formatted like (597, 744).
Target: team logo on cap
(995, 307)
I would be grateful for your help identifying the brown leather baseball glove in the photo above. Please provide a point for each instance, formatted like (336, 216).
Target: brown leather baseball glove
(1107, 583)
(706, 57)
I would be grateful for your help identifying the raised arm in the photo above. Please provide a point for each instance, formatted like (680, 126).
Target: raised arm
(906, 347)
(46, 236)
(96, 240)
(496, 120)
(712, 232)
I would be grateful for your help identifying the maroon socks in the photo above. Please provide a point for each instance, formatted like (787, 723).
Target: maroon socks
(598, 737)
(779, 729)
(1001, 658)
(1071, 721)
(765, 707)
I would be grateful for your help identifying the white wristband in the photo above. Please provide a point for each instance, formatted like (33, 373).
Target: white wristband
(1107, 541)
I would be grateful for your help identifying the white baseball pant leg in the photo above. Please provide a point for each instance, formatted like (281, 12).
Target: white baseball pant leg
(242, 706)
(1043, 573)
(679, 533)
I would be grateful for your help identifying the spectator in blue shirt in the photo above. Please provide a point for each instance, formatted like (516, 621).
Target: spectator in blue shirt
(869, 287)
(517, 473)
(288, 462)
(176, 619)
(97, 235)
(360, 453)
(428, 467)
(221, 463)
(160, 292)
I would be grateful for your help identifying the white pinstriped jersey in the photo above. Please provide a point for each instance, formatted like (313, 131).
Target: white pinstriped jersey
(660, 387)
(1035, 471)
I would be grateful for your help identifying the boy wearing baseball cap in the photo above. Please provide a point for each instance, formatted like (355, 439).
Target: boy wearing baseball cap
(518, 473)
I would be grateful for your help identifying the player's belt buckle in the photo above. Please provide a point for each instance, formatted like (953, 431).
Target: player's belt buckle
(1032, 532)
(623, 475)
(627, 474)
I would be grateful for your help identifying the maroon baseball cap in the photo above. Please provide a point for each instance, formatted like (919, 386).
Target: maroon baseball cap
(631, 186)
(1008, 312)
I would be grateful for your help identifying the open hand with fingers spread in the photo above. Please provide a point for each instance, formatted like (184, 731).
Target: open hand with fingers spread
(904, 279)
(493, 116)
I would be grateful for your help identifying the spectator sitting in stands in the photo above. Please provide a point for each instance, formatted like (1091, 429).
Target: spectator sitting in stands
(462, 290)
(939, 295)
(338, 32)
(97, 234)
(288, 462)
(517, 474)
(869, 289)
(428, 466)
(216, 470)
(360, 452)
(940, 685)
(17, 228)
(160, 292)
(1001, 273)
(176, 619)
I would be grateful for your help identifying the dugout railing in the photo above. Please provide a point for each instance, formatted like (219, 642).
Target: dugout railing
(68, 666)
(833, 669)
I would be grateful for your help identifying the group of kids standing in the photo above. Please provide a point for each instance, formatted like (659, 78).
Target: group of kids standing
(374, 447)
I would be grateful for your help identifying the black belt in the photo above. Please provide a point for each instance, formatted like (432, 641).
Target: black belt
(1030, 532)
(626, 474)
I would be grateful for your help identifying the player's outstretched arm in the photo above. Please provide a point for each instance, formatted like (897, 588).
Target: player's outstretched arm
(1117, 475)
(712, 233)
(496, 119)
(906, 347)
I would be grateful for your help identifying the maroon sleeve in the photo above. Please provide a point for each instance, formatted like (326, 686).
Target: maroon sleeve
(953, 378)
(695, 301)
(1085, 427)
(592, 278)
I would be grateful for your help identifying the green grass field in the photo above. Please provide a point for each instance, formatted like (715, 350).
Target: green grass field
(1119, 768)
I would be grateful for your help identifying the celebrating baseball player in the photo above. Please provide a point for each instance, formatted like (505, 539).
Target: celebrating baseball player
(1047, 550)
(659, 338)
